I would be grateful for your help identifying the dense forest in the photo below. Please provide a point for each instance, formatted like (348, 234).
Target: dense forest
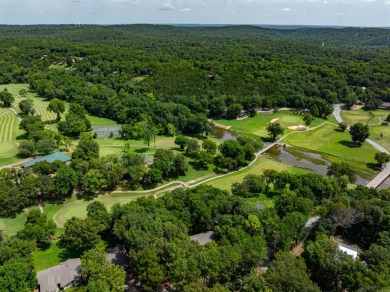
(166, 80)
(156, 235)
(177, 76)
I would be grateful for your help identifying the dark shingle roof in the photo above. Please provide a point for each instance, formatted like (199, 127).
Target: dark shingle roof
(59, 276)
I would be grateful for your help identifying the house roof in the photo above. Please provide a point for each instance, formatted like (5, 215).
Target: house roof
(203, 238)
(385, 104)
(61, 275)
(348, 250)
(49, 158)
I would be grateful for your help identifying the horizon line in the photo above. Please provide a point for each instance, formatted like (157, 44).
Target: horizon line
(203, 24)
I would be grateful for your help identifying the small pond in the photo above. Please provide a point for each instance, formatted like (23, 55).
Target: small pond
(314, 162)
(223, 134)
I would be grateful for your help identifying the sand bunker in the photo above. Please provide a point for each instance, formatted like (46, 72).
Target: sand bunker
(357, 107)
(274, 120)
(298, 128)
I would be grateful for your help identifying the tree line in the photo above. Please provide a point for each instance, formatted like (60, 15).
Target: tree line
(157, 233)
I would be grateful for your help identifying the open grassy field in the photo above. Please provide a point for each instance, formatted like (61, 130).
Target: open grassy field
(9, 122)
(117, 145)
(47, 257)
(258, 167)
(12, 225)
(375, 132)
(327, 139)
(78, 208)
(257, 124)
(361, 116)
(9, 130)
(53, 255)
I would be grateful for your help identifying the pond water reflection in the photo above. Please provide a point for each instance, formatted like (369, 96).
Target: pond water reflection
(320, 167)
(223, 134)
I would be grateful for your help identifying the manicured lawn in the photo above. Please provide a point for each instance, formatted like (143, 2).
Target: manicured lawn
(12, 225)
(361, 116)
(375, 135)
(78, 208)
(96, 121)
(257, 168)
(9, 130)
(262, 199)
(327, 139)
(194, 174)
(9, 123)
(53, 255)
(47, 257)
(257, 124)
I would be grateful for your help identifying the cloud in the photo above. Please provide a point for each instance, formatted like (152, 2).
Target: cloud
(286, 9)
(387, 2)
(185, 9)
(167, 6)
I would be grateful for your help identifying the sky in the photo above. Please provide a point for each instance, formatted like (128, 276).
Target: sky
(275, 12)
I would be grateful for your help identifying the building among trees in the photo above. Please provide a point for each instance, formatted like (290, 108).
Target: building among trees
(349, 250)
(49, 158)
(59, 277)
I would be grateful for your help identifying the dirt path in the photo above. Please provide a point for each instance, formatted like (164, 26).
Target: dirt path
(219, 125)
(16, 163)
(17, 115)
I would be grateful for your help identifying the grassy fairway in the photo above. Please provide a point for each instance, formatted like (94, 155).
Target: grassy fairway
(257, 124)
(258, 167)
(361, 116)
(9, 130)
(327, 139)
(9, 122)
(78, 208)
(375, 135)
(13, 225)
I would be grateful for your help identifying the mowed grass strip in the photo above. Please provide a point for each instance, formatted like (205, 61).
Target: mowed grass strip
(47, 257)
(258, 167)
(361, 116)
(78, 208)
(376, 132)
(328, 139)
(257, 124)
(9, 130)
(12, 225)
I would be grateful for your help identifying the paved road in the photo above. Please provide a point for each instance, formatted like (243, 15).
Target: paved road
(385, 173)
(337, 112)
